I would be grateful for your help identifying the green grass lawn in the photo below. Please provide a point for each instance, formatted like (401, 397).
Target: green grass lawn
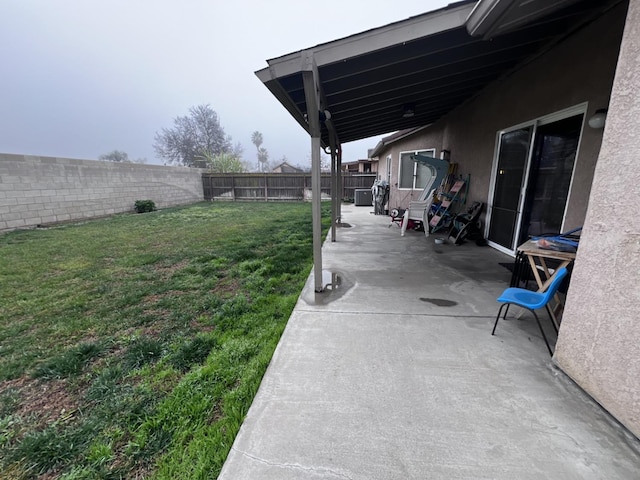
(132, 347)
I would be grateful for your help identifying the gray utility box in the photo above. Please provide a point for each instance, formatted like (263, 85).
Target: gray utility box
(363, 197)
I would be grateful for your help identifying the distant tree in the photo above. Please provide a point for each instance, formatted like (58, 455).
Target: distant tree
(256, 139)
(263, 158)
(237, 150)
(193, 136)
(224, 163)
(262, 153)
(325, 162)
(115, 156)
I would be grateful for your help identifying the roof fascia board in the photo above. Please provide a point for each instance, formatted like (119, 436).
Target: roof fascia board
(379, 38)
(490, 18)
(485, 14)
(408, 134)
(382, 144)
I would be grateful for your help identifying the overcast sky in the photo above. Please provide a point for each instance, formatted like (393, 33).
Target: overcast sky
(80, 78)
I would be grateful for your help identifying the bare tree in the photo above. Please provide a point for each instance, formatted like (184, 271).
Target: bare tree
(192, 137)
(325, 162)
(237, 150)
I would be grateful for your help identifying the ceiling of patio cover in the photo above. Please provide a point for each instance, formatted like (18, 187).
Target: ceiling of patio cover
(428, 63)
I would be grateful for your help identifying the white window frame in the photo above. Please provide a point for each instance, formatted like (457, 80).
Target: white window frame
(428, 151)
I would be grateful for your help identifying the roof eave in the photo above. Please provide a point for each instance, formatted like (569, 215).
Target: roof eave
(491, 18)
(381, 145)
(430, 23)
(266, 76)
(379, 38)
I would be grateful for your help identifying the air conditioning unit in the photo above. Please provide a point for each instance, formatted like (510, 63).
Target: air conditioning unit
(363, 197)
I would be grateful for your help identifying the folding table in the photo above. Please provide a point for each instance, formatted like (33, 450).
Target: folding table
(544, 278)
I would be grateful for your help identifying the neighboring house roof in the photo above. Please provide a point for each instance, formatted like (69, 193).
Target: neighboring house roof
(284, 167)
(394, 137)
(356, 163)
(428, 64)
(362, 160)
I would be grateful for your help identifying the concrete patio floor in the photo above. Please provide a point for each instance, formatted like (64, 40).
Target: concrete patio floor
(394, 375)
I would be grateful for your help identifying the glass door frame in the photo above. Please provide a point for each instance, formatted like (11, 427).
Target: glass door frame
(580, 109)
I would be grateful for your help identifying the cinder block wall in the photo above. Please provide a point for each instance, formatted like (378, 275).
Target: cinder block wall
(43, 190)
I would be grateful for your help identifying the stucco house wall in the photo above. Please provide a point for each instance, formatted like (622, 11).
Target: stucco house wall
(580, 70)
(599, 341)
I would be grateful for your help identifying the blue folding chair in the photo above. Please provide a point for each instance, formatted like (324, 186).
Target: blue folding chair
(531, 301)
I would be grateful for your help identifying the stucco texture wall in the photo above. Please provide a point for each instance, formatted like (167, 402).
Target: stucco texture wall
(38, 190)
(599, 341)
(578, 70)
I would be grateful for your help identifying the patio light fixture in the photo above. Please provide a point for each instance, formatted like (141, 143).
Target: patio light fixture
(598, 119)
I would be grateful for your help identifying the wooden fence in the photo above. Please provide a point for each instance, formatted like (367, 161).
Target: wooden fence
(276, 186)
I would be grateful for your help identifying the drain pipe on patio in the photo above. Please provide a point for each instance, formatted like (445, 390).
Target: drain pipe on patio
(334, 149)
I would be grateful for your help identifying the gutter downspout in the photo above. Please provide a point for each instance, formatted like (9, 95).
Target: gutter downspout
(340, 185)
(336, 191)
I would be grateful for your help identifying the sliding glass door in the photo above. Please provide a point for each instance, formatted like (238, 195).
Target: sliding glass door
(513, 157)
(532, 178)
(552, 162)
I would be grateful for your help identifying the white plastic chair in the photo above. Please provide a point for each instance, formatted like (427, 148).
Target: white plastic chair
(418, 210)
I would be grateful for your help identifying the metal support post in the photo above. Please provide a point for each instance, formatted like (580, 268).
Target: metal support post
(313, 117)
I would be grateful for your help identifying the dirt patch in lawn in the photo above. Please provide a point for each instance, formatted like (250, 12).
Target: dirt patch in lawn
(227, 287)
(44, 400)
(167, 271)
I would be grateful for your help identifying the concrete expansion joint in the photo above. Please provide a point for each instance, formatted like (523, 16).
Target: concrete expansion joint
(390, 312)
(294, 466)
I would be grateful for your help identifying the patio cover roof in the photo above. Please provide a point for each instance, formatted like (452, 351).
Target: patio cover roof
(429, 64)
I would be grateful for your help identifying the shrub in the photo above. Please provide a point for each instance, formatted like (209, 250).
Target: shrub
(143, 206)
